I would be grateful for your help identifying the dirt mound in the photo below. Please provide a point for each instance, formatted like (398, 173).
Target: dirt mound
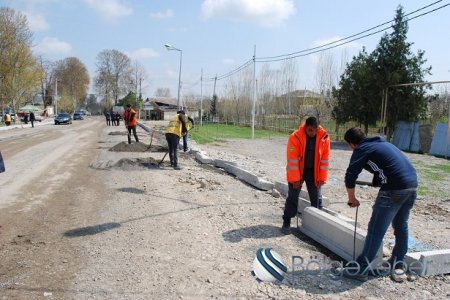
(139, 163)
(133, 147)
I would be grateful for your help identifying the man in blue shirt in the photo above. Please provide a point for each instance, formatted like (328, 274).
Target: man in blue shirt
(397, 179)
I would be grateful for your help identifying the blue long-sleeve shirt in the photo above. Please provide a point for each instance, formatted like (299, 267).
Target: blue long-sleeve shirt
(391, 168)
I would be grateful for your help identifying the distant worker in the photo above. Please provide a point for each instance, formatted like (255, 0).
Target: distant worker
(32, 119)
(397, 179)
(7, 119)
(175, 129)
(189, 125)
(308, 152)
(108, 118)
(129, 117)
(117, 118)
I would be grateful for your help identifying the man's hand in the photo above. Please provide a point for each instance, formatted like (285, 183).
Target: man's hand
(353, 202)
(297, 184)
(321, 183)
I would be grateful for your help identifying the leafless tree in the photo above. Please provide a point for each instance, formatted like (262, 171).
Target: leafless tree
(114, 74)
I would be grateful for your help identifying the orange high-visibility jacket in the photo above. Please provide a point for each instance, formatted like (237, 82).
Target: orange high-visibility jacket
(130, 117)
(296, 147)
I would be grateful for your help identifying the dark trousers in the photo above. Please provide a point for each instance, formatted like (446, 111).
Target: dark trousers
(315, 195)
(108, 122)
(32, 123)
(134, 133)
(172, 142)
(185, 141)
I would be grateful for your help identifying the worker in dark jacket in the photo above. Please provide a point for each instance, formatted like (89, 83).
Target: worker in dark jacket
(397, 179)
(189, 125)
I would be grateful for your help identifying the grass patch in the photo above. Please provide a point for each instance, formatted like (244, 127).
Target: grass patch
(442, 167)
(210, 133)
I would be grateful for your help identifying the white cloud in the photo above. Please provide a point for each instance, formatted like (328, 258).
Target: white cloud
(162, 15)
(262, 12)
(143, 53)
(51, 45)
(36, 22)
(110, 9)
(228, 61)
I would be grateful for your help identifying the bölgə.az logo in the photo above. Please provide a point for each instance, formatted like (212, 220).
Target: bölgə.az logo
(268, 266)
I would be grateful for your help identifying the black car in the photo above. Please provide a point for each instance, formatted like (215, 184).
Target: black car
(78, 115)
(63, 118)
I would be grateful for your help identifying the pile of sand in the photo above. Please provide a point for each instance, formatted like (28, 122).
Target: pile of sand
(138, 163)
(133, 147)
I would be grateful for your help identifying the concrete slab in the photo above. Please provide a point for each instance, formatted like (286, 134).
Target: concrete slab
(335, 234)
(244, 175)
(433, 262)
(203, 158)
(282, 187)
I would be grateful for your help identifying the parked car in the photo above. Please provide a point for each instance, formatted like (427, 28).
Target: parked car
(78, 116)
(63, 118)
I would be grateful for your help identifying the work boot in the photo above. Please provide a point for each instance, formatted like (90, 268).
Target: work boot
(286, 228)
(399, 275)
(177, 168)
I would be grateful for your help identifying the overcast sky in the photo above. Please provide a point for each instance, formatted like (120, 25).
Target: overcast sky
(219, 35)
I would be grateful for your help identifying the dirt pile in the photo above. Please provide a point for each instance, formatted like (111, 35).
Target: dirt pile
(118, 133)
(125, 147)
(127, 164)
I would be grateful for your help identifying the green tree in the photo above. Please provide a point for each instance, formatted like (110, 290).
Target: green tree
(397, 64)
(19, 70)
(213, 107)
(73, 80)
(358, 98)
(391, 63)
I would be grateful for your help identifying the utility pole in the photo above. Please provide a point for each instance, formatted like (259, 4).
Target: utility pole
(201, 97)
(56, 96)
(254, 93)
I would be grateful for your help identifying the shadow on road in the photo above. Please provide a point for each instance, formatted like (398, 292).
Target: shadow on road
(252, 232)
(131, 190)
(91, 230)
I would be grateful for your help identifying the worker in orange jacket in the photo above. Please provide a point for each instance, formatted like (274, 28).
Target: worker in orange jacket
(129, 117)
(308, 152)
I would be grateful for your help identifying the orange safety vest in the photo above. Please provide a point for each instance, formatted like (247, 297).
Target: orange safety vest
(130, 117)
(296, 147)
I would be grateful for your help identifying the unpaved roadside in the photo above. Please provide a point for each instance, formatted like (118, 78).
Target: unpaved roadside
(122, 227)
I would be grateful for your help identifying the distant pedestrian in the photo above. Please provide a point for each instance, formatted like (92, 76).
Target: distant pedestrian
(32, 119)
(108, 118)
(26, 118)
(117, 115)
(129, 117)
(308, 151)
(175, 129)
(7, 119)
(189, 125)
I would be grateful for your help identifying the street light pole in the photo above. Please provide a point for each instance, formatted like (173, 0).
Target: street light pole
(56, 96)
(169, 47)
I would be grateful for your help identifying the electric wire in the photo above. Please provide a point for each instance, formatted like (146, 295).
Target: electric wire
(327, 46)
(345, 38)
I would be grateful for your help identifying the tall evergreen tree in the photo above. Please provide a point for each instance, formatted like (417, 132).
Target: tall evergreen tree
(397, 64)
(357, 98)
(365, 78)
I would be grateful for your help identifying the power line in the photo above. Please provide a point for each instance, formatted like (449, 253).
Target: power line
(331, 45)
(345, 38)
